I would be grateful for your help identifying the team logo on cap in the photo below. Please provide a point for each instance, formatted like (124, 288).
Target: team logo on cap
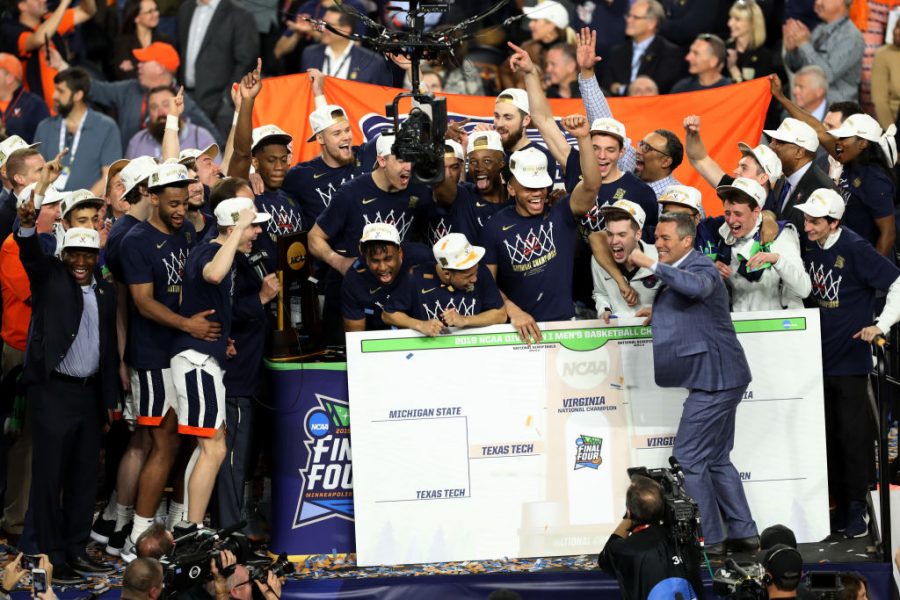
(587, 452)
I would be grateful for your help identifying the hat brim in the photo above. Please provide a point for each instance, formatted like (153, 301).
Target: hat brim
(726, 192)
(80, 247)
(609, 133)
(261, 218)
(176, 183)
(534, 182)
(275, 138)
(612, 210)
(670, 200)
(472, 259)
(812, 211)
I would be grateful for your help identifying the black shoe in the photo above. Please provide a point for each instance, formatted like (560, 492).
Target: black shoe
(66, 575)
(117, 541)
(715, 550)
(102, 529)
(89, 566)
(749, 545)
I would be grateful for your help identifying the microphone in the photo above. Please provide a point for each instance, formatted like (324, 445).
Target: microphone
(258, 264)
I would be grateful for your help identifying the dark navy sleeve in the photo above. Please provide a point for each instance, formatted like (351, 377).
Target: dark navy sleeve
(489, 239)
(403, 297)
(351, 308)
(573, 170)
(874, 269)
(490, 293)
(879, 195)
(135, 261)
(416, 253)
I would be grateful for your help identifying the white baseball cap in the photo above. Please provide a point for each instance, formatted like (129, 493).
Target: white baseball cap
(187, 154)
(743, 186)
(137, 170)
(10, 145)
(454, 149)
(860, 125)
(484, 140)
(380, 232)
(529, 167)
(684, 195)
(169, 174)
(324, 117)
(51, 196)
(609, 126)
(823, 203)
(229, 211)
(269, 132)
(80, 198)
(554, 12)
(516, 97)
(453, 251)
(628, 207)
(797, 132)
(81, 237)
(766, 158)
(384, 145)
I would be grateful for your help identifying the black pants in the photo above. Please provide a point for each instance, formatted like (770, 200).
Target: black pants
(64, 466)
(233, 472)
(849, 435)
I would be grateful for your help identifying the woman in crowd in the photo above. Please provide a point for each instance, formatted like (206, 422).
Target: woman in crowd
(139, 23)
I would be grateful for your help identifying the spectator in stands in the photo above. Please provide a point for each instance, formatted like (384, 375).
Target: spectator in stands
(219, 45)
(27, 36)
(748, 57)
(548, 22)
(706, 61)
(561, 72)
(643, 86)
(886, 80)
(139, 30)
(855, 587)
(13, 573)
(836, 45)
(336, 56)
(147, 142)
(142, 580)
(23, 167)
(657, 156)
(810, 89)
(20, 110)
(157, 64)
(608, 20)
(92, 139)
(646, 53)
(296, 25)
(846, 274)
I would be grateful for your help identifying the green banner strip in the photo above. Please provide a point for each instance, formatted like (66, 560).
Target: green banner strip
(310, 366)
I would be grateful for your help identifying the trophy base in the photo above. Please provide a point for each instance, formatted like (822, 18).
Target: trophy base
(285, 343)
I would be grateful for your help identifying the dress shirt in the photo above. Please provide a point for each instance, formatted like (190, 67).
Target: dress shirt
(200, 20)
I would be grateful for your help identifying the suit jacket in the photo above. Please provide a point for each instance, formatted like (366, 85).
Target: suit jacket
(56, 304)
(663, 62)
(365, 65)
(228, 52)
(705, 357)
(813, 179)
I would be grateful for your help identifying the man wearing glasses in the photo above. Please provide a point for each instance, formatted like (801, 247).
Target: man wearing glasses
(706, 60)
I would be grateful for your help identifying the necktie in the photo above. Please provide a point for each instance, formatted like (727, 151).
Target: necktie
(785, 192)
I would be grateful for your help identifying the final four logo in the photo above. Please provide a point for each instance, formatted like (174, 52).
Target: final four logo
(587, 452)
(326, 490)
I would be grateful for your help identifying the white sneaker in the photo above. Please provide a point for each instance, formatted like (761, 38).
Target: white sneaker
(128, 552)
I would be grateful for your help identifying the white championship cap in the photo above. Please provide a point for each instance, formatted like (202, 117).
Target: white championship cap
(627, 207)
(453, 251)
(81, 237)
(516, 97)
(169, 174)
(796, 132)
(324, 117)
(554, 12)
(10, 145)
(229, 211)
(609, 126)
(529, 167)
(684, 195)
(454, 149)
(384, 144)
(746, 187)
(272, 133)
(187, 154)
(137, 170)
(859, 125)
(51, 196)
(484, 140)
(766, 158)
(380, 232)
(823, 203)
(80, 198)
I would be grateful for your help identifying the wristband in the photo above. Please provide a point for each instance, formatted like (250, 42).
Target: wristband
(235, 119)
(171, 122)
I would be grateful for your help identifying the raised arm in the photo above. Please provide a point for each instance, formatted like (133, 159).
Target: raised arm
(216, 270)
(584, 196)
(85, 11)
(251, 85)
(826, 139)
(171, 146)
(697, 154)
(48, 28)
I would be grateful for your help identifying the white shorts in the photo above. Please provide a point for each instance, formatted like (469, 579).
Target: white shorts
(152, 395)
(200, 388)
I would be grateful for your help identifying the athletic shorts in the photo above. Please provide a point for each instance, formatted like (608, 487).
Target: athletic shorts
(152, 395)
(200, 388)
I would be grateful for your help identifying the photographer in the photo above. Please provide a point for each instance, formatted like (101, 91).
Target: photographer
(143, 580)
(642, 554)
(13, 573)
(783, 566)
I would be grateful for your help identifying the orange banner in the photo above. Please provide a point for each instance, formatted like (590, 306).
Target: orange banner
(729, 115)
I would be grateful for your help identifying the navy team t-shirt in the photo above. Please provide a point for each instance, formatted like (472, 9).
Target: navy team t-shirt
(422, 295)
(534, 257)
(869, 195)
(471, 212)
(150, 256)
(248, 330)
(286, 219)
(114, 245)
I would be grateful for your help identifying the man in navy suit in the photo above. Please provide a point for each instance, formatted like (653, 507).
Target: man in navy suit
(337, 56)
(710, 363)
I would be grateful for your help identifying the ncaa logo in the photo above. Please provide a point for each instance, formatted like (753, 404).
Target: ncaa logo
(318, 424)
(582, 370)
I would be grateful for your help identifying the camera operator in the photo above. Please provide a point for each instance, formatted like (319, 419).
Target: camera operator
(783, 566)
(155, 542)
(239, 585)
(642, 554)
(143, 580)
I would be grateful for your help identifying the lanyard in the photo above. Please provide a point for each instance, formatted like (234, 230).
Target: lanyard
(340, 66)
(75, 140)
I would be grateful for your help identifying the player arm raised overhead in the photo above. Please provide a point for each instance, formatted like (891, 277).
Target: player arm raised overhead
(584, 196)
(697, 154)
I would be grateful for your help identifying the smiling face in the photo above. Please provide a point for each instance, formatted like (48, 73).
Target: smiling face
(670, 247)
(81, 263)
(847, 149)
(171, 203)
(460, 279)
(384, 261)
(208, 172)
(484, 169)
(542, 30)
(701, 58)
(83, 216)
(510, 123)
(529, 201)
(560, 68)
(748, 167)
(740, 217)
(818, 229)
(148, 15)
(738, 23)
(337, 143)
(651, 160)
(607, 150)
(623, 236)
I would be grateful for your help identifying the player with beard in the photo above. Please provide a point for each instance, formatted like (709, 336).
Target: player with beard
(148, 141)
(530, 246)
(477, 200)
(152, 259)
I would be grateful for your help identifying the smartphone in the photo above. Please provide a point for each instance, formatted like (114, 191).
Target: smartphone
(30, 562)
(38, 581)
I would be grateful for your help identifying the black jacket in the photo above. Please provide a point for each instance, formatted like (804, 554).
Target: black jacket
(663, 62)
(56, 303)
(813, 179)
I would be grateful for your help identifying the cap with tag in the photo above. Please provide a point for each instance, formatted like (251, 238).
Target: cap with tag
(529, 167)
(324, 117)
(380, 232)
(516, 97)
(796, 132)
(554, 12)
(684, 195)
(271, 133)
(137, 170)
(453, 149)
(229, 211)
(169, 174)
(384, 144)
(484, 140)
(187, 154)
(766, 158)
(51, 196)
(10, 145)
(80, 198)
(859, 125)
(627, 207)
(746, 187)
(81, 237)
(608, 126)
(454, 252)
(823, 203)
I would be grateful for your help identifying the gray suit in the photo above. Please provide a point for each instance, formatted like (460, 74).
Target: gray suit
(709, 361)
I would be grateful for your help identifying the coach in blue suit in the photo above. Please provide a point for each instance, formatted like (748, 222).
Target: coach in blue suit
(695, 347)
